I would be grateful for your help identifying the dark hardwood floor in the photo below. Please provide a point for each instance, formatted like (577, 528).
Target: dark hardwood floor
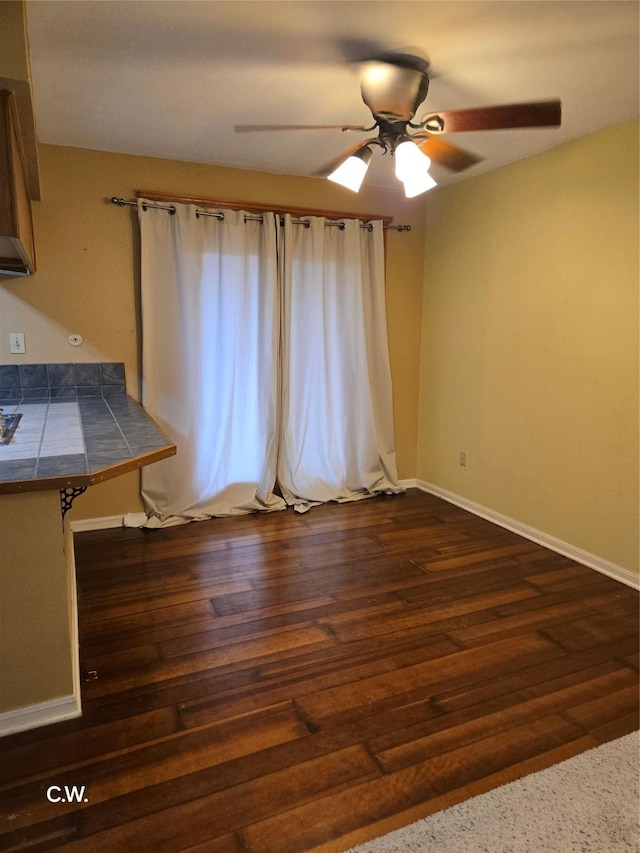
(289, 683)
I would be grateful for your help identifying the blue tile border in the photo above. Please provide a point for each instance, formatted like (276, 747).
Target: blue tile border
(9, 377)
(112, 374)
(18, 469)
(59, 466)
(66, 380)
(87, 374)
(33, 376)
(62, 375)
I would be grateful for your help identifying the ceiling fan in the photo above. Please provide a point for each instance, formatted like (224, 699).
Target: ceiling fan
(393, 85)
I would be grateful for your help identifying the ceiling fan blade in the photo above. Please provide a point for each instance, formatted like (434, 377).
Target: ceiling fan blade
(252, 128)
(329, 167)
(445, 153)
(536, 114)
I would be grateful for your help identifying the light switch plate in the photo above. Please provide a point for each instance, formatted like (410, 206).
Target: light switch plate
(16, 343)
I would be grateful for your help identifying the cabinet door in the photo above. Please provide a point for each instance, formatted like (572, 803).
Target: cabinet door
(17, 251)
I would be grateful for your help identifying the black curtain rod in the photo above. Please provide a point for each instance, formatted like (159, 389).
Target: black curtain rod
(121, 202)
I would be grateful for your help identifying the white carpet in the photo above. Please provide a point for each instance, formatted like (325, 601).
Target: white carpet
(588, 804)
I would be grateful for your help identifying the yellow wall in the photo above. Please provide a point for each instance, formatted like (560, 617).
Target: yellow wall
(530, 343)
(14, 58)
(38, 641)
(87, 277)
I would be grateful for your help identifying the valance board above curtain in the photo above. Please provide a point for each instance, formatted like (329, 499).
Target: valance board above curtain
(166, 202)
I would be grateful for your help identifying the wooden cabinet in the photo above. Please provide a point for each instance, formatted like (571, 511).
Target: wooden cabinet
(17, 252)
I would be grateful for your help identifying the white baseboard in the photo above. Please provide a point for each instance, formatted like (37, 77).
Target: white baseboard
(41, 714)
(408, 484)
(551, 542)
(103, 523)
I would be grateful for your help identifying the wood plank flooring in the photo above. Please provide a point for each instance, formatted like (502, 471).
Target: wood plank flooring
(282, 683)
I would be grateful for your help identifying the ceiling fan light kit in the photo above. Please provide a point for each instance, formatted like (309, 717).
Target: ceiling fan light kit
(393, 86)
(411, 168)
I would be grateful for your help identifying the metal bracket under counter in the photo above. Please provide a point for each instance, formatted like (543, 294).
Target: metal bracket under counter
(68, 495)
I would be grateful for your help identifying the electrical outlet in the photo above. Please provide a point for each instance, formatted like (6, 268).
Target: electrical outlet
(16, 343)
(463, 458)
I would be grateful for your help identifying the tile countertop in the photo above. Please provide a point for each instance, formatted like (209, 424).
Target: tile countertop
(70, 443)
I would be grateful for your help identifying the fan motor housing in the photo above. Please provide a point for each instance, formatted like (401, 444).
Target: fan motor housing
(393, 92)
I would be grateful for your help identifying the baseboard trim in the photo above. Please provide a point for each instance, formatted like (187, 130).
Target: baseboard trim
(408, 484)
(103, 523)
(551, 542)
(41, 714)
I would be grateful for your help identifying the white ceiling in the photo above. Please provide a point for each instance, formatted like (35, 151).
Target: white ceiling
(171, 78)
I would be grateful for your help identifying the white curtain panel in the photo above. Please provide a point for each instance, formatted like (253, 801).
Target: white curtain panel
(210, 320)
(265, 358)
(337, 440)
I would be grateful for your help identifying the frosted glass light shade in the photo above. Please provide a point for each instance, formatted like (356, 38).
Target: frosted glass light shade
(412, 169)
(409, 159)
(350, 173)
(418, 183)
